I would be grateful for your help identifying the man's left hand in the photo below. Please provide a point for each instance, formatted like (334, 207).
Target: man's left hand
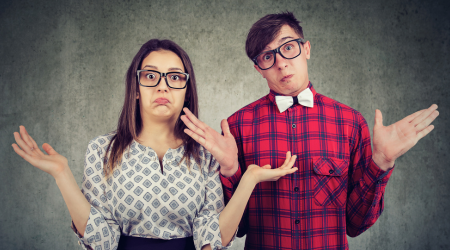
(392, 141)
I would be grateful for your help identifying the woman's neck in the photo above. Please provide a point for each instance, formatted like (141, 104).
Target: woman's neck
(158, 133)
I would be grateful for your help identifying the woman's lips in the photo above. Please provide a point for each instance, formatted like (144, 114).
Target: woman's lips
(161, 100)
(286, 78)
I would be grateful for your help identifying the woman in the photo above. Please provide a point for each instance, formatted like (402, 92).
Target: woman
(148, 184)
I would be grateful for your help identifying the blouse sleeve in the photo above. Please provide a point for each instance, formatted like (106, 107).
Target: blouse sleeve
(102, 230)
(206, 224)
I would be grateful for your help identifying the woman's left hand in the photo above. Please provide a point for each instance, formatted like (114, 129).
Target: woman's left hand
(266, 173)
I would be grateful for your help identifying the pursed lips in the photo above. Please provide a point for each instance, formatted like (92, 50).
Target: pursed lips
(285, 78)
(161, 100)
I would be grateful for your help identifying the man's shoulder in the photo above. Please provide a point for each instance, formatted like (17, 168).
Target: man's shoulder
(327, 102)
(249, 110)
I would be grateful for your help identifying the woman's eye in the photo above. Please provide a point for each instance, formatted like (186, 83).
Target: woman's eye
(175, 77)
(150, 76)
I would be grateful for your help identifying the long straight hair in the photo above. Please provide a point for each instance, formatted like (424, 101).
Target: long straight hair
(130, 121)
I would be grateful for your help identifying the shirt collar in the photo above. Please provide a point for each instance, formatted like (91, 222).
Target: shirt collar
(272, 94)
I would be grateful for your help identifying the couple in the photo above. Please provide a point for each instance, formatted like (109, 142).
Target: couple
(150, 185)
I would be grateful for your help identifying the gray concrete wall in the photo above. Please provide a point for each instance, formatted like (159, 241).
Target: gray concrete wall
(62, 67)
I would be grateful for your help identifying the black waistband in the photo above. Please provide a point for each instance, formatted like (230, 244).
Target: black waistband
(138, 243)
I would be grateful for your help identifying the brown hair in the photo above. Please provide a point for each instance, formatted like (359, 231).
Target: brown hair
(266, 29)
(130, 122)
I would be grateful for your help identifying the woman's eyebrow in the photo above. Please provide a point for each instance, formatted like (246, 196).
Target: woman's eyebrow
(150, 66)
(172, 69)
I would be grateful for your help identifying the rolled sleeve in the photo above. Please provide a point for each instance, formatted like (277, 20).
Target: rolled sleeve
(206, 224)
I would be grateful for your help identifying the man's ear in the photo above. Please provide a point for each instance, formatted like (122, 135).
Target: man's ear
(258, 69)
(307, 49)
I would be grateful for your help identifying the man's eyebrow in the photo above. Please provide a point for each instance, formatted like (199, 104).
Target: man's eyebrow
(282, 40)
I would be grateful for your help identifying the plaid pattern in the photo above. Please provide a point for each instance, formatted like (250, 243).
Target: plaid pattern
(337, 190)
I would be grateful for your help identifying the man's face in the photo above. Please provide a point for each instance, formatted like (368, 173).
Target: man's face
(287, 76)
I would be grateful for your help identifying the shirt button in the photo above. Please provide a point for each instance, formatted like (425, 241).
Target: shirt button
(331, 171)
(294, 126)
(297, 221)
(296, 189)
(379, 182)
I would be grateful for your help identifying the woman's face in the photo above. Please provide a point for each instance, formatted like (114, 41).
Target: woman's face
(161, 103)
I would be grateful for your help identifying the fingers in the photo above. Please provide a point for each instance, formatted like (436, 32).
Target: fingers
(23, 145)
(286, 161)
(225, 127)
(289, 162)
(196, 137)
(431, 116)
(29, 140)
(425, 115)
(194, 119)
(424, 132)
(412, 116)
(23, 154)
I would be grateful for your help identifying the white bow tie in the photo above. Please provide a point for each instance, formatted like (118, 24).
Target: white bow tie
(305, 98)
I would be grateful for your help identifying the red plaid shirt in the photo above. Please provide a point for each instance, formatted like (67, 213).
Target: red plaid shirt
(337, 190)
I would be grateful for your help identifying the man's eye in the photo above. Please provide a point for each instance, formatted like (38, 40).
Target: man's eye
(267, 57)
(288, 47)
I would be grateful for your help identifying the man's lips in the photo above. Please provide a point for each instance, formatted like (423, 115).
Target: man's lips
(286, 78)
(161, 100)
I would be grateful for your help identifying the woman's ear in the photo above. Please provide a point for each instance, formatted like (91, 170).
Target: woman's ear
(137, 95)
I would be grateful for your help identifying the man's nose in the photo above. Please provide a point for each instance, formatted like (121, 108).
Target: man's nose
(280, 62)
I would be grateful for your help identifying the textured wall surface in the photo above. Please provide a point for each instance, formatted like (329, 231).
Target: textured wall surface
(62, 67)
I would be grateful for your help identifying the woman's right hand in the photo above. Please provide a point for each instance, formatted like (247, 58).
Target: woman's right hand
(53, 163)
(266, 173)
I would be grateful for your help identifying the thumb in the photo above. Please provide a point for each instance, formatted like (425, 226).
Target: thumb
(49, 149)
(267, 166)
(225, 127)
(378, 118)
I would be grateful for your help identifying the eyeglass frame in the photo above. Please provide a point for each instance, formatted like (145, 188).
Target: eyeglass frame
(277, 50)
(161, 76)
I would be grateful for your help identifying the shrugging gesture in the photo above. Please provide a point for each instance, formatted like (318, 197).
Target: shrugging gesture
(390, 142)
(55, 165)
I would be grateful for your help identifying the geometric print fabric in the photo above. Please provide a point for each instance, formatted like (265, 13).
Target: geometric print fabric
(141, 201)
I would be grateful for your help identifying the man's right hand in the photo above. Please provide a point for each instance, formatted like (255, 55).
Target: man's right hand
(222, 147)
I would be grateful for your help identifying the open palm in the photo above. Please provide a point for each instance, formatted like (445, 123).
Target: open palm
(222, 147)
(51, 163)
(390, 142)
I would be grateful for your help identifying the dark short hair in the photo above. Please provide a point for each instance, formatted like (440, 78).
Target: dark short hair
(266, 29)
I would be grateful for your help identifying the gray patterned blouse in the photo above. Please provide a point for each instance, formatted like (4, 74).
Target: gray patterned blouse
(139, 200)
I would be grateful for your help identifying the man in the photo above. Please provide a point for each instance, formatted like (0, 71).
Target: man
(339, 186)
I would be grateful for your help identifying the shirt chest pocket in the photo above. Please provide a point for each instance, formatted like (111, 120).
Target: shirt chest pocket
(330, 181)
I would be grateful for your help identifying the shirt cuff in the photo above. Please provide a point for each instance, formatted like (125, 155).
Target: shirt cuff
(376, 176)
(233, 180)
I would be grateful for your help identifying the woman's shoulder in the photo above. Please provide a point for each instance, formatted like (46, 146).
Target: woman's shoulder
(101, 142)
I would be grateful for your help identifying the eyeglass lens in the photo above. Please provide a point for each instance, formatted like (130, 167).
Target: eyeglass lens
(174, 80)
(288, 50)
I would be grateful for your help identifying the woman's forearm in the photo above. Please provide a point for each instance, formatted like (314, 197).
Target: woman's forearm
(79, 207)
(231, 215)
